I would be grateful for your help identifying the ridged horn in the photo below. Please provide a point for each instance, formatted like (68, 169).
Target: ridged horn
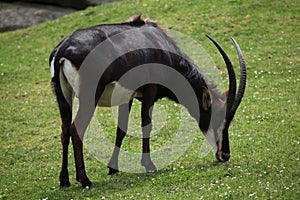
(232, 79)
(242, 84)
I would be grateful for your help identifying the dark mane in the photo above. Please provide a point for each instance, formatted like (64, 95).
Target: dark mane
(136, 20)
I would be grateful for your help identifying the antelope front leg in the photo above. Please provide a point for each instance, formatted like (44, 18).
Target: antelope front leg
(149, 95)
(123, 115)
(146, 159)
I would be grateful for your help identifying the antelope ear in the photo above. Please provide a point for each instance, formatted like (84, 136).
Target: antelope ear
(220, 101)
(206, 100)
(225, 95)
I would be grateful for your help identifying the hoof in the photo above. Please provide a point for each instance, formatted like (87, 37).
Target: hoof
(112, 171)
(149, 166)
(84, 180)
(64, 179)
(64, 184)
(86, 183)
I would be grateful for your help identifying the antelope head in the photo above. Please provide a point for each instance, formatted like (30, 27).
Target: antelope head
(226, 105)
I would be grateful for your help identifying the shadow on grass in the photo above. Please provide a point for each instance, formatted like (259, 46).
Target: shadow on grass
(110, 184)
(106, 185)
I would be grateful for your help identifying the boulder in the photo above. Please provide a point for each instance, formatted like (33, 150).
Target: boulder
(20, 15)
(76, 4)
(24, 13)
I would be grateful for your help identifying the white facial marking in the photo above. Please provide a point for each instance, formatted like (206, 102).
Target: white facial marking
(52, 67)
(213, 137)
(220, 156)
(220, 138)
(210, 137)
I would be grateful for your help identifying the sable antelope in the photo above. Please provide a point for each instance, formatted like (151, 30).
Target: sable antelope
(75, 75)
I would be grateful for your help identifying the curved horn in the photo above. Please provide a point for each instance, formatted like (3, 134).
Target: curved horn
(242, 84)
(232, 80)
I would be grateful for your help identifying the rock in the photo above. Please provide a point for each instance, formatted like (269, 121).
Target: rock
(24, 13)
(21, 15)
(76, 4)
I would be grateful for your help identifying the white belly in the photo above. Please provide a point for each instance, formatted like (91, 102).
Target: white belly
(114, 94)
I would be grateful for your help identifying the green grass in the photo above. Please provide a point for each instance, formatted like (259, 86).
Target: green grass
(265, 142)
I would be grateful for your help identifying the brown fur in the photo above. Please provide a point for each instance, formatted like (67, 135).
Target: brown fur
(138, 20)
(206, 100)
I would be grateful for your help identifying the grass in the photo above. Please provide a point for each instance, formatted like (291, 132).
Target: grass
(264, 135)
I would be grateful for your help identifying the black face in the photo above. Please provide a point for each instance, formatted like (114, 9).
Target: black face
(217, 134)
(223, 152)
(218, 139)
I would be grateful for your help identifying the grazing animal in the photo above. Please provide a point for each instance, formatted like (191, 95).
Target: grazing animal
(73, 74)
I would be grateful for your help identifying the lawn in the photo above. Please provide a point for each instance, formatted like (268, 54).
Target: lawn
(265, 134)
